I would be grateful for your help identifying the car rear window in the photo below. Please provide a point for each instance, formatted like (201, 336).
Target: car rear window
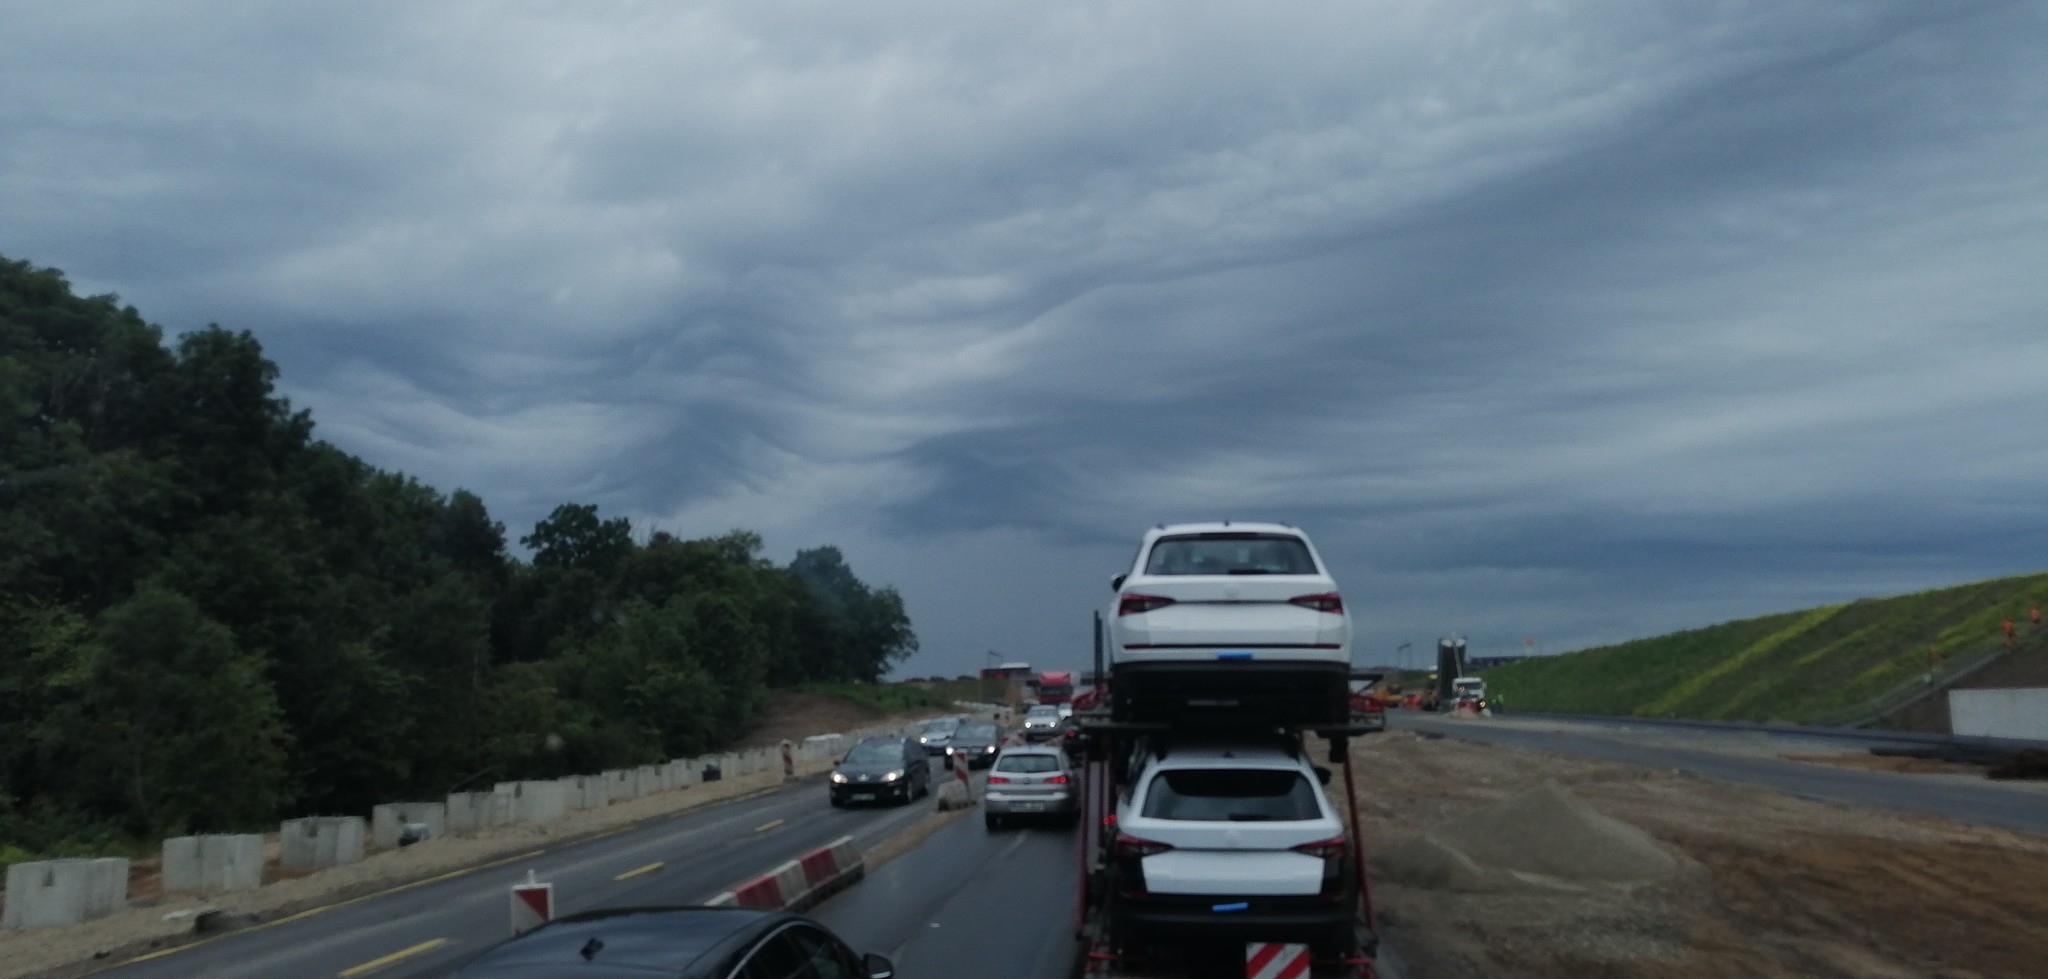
(1028, 764)
(1230, 553)
(1242, 795)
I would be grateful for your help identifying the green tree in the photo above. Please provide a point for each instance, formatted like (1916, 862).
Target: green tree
(164, 720)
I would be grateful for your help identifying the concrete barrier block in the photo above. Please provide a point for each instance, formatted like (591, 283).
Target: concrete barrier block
(625, 784)
(213, 864)
(180, 869)
(319, 842)
(49, 893)
(532, 803)
(387, 822)
(650, 779)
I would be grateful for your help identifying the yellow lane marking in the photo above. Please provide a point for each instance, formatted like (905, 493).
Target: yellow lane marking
(650, 868)
(309, 912)
(403, 953)
(765, 827)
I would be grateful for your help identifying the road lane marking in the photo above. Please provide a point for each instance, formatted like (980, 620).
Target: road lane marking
(765, 827)
(309, 912)
(637, 871)
(400, 955)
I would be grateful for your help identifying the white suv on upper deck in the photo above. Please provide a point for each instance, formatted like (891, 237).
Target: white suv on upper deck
(1242, 617)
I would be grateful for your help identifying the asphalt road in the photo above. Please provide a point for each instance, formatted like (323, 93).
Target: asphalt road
(1985, 803)
(969, 902)
(680, 860)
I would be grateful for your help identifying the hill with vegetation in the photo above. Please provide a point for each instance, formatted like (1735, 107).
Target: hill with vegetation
(1831, 665)
(209, 618)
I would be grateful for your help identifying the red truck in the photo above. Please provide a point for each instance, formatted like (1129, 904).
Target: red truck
(1056, 687)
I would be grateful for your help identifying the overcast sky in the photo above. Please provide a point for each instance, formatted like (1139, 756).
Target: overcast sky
(1577, 320)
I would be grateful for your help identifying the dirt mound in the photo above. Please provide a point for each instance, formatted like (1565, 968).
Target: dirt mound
(797, 716)
(1545, 839)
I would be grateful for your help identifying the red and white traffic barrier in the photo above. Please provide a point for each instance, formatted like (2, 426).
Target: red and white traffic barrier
(1272, 960)
(533, 905)
(800, 883)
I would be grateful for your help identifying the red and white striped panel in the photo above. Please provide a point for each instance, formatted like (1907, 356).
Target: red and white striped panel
(1270, 960)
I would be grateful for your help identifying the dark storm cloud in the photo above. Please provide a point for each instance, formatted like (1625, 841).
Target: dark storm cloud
(1580, 320)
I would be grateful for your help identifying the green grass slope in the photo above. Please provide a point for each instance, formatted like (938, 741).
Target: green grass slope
(1820, 665)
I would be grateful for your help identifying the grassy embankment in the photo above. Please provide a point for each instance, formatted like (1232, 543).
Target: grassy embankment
(1820, 665)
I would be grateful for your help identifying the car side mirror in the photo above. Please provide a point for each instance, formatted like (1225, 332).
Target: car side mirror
(1322, 775)
(1117, 583)
(878, 967)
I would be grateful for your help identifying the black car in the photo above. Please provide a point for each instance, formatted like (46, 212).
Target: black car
(880, 769)
(978, 742)
(676, 943)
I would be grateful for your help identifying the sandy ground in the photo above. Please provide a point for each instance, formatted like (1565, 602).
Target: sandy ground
(799, 715)
(144, 925)
(1792, 888)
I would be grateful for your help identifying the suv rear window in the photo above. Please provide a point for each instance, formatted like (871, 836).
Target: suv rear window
(1232, 794)
(1230, 553)
(1028, 764)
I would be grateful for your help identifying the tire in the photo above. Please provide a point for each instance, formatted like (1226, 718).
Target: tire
(992, 823)
(837, 803)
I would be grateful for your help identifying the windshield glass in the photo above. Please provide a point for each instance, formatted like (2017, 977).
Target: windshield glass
(975, 732)
(946, 726)
(1230, 554)
(875, 753)
(1240, 795)
(1028, 764)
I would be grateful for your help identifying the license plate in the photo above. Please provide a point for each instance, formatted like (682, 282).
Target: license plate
(863, 797)
(1028, 806)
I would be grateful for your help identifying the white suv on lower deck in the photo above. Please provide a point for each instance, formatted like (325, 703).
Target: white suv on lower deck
(1217, 838)
(1237, 618)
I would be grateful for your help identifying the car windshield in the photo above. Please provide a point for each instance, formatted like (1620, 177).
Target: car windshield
(1043, 712)
(1227, 553)
(976, 732)
(1028, 764)
(1240, 795)
(875, 753)
(946, 726)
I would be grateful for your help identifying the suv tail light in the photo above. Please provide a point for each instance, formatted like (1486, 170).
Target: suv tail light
(1333, 852)
(997, 780)
(1328, 601)
(1133, 603)
(1056, 780)
(1131, 846)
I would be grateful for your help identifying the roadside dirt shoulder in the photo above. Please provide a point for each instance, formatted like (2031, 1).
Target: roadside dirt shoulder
(1789, 888)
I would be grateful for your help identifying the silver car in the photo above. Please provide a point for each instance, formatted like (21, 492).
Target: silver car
(1034, 781)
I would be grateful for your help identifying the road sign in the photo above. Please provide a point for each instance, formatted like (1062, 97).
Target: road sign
(1272, 960)
(533, 905)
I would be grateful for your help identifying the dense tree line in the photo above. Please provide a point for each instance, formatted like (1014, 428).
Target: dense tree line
(209, 618)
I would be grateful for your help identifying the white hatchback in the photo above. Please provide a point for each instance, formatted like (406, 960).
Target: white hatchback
(1234, 617)
(1218, 836)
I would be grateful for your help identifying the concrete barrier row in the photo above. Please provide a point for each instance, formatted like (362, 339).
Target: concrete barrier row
(801, 883)
(61, 892)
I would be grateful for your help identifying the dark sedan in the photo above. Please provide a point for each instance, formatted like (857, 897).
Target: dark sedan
(882, 769)
(977, 742)
(674, 943)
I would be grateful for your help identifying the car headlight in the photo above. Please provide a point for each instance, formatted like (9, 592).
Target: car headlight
(921, 739)
(840, 778)
(893, 776)
(989, 750)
